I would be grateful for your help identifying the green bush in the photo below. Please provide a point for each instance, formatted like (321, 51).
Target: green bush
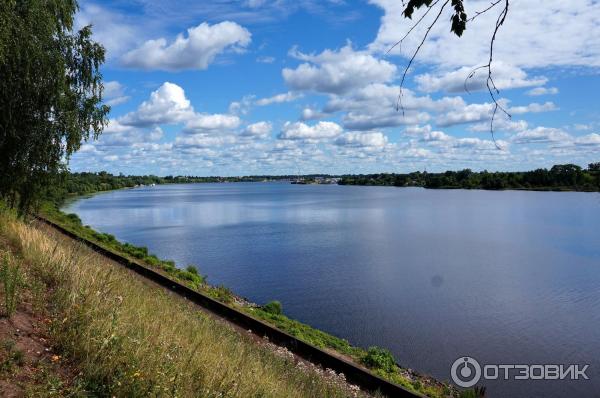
(380, 358)
(273, 307)
(74, 218)
(191, 269)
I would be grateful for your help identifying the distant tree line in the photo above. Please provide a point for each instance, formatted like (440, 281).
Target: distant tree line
(567, 177)
(564, 177)
(75, 184)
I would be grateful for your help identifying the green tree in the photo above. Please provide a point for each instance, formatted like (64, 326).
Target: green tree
(50, 94)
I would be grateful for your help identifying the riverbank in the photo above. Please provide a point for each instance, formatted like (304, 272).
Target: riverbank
(377, 360)
(78, 324)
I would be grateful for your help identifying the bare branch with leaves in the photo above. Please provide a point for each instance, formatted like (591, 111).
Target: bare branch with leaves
(459, 22)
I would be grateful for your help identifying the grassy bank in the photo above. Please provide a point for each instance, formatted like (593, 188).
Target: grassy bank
(128, 338)
(378, 360)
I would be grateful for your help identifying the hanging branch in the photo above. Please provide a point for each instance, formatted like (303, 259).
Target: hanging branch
(459, 23)
(399, 102)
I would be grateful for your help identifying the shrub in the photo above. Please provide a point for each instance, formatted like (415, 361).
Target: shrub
(191, 269)
(220, 293)
(379, 358)
(74, 218)
(273, 307)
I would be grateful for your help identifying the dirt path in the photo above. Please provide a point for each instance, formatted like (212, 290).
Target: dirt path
(28, 364)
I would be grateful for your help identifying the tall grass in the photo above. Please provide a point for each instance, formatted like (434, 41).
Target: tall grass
(10, 275)
(129, 338)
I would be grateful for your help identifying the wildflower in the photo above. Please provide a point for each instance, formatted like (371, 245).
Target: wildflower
(55, 358)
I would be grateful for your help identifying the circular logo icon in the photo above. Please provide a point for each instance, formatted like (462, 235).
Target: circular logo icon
(465, 372)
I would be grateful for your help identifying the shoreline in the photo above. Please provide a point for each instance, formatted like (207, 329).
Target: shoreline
(405, 377)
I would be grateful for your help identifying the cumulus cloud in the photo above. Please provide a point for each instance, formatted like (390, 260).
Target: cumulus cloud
(501, 123)
(195, 51)
(203, 140)
(374, 106)
(337, 71)
(167, 105)
(505, 77)
(588, 140)
(258, 130)
(533, 108)
(201, 123)
(468, 114)
(354, 139)
(302, 131)
(279, 98)
(541, 135)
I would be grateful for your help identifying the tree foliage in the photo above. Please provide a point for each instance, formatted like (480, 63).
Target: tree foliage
(458, 18)
(50, 94)
(562, 177)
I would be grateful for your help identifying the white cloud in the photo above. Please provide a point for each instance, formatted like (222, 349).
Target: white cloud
(541, 135)
(302, 131)
(201, 123)
(114, 93)
(536, 33)
(167, 105)
(468, 114)
(203, 140)
(588, 140)
(433, 136)
(259, 129)
(279, 98)
(195, 51)
(501, 123)
(338, 71)
(505, 77)
(542, 91)
(374, 106)
(118, 134)
(372, 139)
(532, 108)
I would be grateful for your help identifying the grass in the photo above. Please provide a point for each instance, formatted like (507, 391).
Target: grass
(10, 275)
(129, 338)
(271, 313)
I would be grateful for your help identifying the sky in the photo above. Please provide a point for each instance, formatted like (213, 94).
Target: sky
(253, 87)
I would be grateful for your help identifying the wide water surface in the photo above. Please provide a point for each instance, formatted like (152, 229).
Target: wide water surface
(505, 277)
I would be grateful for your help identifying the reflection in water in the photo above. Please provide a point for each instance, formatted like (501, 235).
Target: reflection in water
(504, 277)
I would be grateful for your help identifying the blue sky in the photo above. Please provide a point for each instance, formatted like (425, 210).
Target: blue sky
(281, 86)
